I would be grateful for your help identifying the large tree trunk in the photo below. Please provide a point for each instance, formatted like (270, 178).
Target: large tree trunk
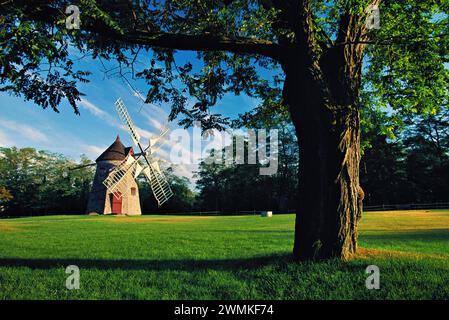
(330, 197)
(322, 91)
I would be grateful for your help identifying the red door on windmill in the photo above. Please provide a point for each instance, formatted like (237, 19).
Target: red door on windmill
(116, 203)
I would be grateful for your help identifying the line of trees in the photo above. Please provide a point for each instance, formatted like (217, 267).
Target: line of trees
(405, 160)
(413, 167)
(407, 163)
(240, 187)
(183, 199)
(36, 182)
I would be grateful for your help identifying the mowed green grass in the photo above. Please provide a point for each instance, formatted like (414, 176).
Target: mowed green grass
(172, 257)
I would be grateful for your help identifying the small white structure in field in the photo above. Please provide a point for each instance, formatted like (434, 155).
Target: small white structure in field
(266, 214)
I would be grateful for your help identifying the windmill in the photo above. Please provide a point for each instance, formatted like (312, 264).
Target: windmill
(133, 165)
(115, 189)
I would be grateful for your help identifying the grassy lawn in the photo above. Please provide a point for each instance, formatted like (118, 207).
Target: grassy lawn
(167, 257)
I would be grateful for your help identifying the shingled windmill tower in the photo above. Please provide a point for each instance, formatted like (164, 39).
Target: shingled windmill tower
(100, 199)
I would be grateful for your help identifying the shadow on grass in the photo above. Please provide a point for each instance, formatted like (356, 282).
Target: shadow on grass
(161, 265)
(277, 263)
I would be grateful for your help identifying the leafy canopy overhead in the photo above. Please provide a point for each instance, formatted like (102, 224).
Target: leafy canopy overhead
(241, 47)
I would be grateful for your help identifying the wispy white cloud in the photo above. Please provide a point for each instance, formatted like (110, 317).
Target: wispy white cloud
(24, 130)
(110, 120)
(157, 124)
(97, 111)
(136, 93)
(185, 170)
(92, 151)
(145, 134)
(156, 116)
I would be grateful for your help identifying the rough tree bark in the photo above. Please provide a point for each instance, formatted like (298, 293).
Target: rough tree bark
(330, 203)
(322, 90)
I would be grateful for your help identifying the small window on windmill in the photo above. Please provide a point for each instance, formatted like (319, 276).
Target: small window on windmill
(133, 191)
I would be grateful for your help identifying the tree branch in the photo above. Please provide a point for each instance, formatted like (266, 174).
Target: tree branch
(342, 63)
(395, 40)
(203, 42)
(150, 38)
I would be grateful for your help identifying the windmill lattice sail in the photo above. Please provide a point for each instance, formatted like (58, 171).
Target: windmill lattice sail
(155, 143)
(116, 180)
(126, 119)
(158, 182)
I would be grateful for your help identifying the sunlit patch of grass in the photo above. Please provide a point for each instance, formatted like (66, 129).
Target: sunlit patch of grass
(364, 253)
(8, 228)
(406, 220)
(410, 231)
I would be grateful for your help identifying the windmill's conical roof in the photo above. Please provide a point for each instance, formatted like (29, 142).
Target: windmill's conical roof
(116, 151)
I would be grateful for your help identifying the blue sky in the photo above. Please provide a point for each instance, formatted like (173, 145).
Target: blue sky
(24, 124)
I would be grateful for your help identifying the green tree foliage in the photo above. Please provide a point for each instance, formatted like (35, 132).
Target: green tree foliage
(407, 71)
(401, 164)
(5, 196)
(412, 167)
(405, 68)
(383, 175)
(232, 188)
(183, 199)
(40, 182)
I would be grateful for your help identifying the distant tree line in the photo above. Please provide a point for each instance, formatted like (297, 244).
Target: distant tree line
(232, 188)
(405, 160)
(36, 182)
(413, 167)
(406, 163)
(183, 199)
(39, 182)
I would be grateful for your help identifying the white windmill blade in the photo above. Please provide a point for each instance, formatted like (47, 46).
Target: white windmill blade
(155, 166)
(159, 184)
(124, 165)
(153, 141)
(128, 161)
(116, 181)
(137, 170)
(157, 142)
(118, 188)
(126, 119)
